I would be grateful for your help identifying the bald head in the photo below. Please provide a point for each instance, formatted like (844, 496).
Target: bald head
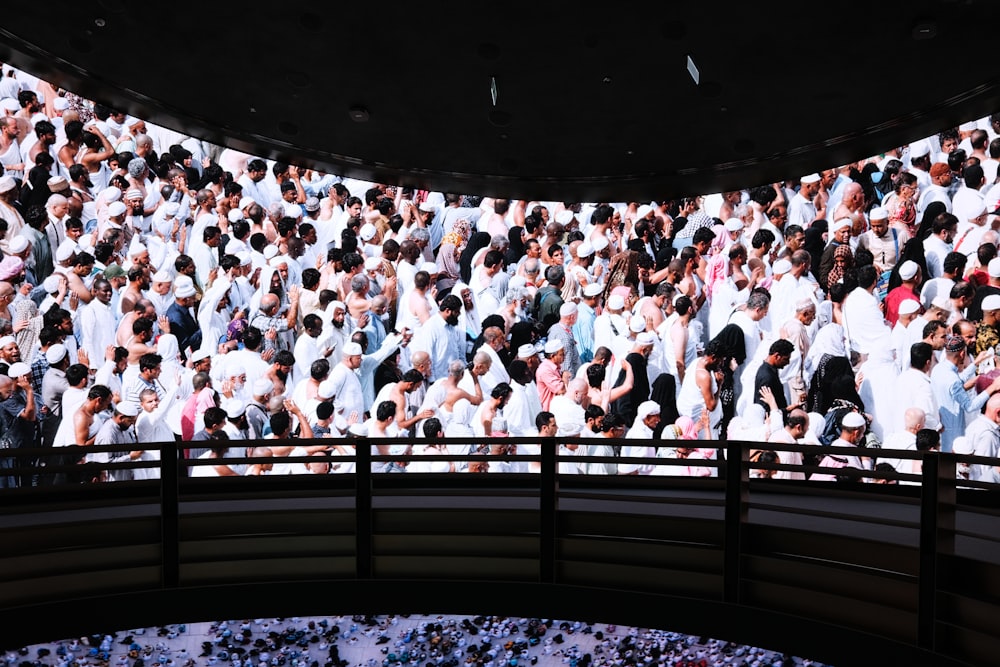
(419, 359)
(269, 303)
(992, 410)
(913, 419)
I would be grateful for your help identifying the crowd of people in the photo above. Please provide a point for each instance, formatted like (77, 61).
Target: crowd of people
(398, 641)
(155, 288)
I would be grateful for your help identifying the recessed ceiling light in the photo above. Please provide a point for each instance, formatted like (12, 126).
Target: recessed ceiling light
(358, 114)
(924, 30)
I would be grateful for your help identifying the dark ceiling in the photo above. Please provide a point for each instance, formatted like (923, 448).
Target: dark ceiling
(594, 102)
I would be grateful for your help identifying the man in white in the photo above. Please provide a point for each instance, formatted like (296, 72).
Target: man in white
(801, 210)
(494, 341)
(568, 408)
(939, 243)
(863, 320)
(441, 338)
(904, 439)
(611, 323)
(97, 323)
(647, 418)
(983, 435)
(796, 427)
(347, 391)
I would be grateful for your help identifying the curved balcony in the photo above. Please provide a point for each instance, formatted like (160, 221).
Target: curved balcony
(844, 573)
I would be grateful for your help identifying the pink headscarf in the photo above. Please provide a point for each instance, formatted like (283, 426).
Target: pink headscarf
(11, 267)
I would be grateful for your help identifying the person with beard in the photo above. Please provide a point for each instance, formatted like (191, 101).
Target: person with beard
(441, 338)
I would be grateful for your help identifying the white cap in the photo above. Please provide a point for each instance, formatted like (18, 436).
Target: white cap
(919, 149)
(908, 269)
(183, 290)
(115, 209)
(235, 408)
(7, 183)
(567, 309)
(941, 302)
(643, 211)
(430, 267)
(427, 207)
(908, 306)
(616, 302)
(65, 250)
(840, 224)
(553, 345)
(647, 408)
(781, 266)
(51, 284)
(18, 244)
(17, 369)
(127, 408)
(270, 252)
(372, 263)
(734, 225)
(57, 183)
(326, 389)
(878, 213)
(55, 353)
(993, 268)
(244, 202)
(352, 349)
(564, 217)
(163, 276)
(600, 243)
(262, 387)
(199, 354)
(584, 249)
(852, 420)
(235, 215)
(637, 324)
(991, 302)
(526, 351)
(646, 338)
(593, 289)
(368, 231)
(7, 340)
(110, 194)
(811, 178)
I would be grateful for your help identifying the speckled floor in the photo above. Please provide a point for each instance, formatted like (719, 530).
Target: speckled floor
(395, 641)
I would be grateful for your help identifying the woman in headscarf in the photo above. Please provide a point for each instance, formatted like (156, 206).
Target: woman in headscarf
(516, 250)
(477, 242)
(834, 379)
(926, 226)
(449, 271)
(912, 250)
(623, 270)
(814, 244)
(27, 324)
(732, 353)
(843, 261)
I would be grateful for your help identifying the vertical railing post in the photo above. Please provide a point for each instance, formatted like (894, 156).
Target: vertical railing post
(937, 537)
(170, 514)
(364, 550)
(548, 511)
(737, 498)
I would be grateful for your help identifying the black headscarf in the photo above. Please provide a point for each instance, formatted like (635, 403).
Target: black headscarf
(926, 226)
(478, 241)
(814, 244)
(515, 251)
